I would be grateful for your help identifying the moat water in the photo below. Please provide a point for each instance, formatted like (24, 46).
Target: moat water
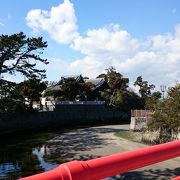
(23, 155)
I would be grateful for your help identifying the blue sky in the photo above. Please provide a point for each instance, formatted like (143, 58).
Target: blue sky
(87, 36)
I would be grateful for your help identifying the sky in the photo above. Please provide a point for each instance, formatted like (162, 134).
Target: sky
(86, 37)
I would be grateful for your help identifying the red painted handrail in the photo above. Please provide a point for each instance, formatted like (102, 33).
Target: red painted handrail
(176, 178)
(111, 165)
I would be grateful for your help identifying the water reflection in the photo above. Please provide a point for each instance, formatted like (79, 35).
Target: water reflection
(26, 164)
(23, 155)
(40, 152)
(7, 168)
(31, 154)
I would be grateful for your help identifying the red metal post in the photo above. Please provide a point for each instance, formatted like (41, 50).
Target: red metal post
(111, 165)
(176, 178)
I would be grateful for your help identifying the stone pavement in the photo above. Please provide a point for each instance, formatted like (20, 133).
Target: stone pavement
(89, 143)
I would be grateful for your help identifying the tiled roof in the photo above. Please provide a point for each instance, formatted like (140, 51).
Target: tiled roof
(53, 88)
(97, 82)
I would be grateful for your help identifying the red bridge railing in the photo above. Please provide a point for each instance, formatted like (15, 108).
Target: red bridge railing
(108, 166)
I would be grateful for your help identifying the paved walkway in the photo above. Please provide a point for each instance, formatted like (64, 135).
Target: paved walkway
(88, 143)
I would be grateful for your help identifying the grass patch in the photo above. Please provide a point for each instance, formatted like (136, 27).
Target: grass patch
(126, 135)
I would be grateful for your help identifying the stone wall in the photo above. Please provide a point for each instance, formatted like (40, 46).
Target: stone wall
(139, 119)
(138, 123)
(63, 115)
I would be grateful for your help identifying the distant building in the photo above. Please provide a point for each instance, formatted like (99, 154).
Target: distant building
(57, 86)
(49, 101)
(99, 83)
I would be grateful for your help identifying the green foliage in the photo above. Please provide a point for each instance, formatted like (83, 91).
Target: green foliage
(145, 90)
(14, 101)
(126, 100)
(166, 118)
(6, 87)
(116, 80)
(10, 100)
(31, 89)
(126, 135)
(69, 89)
(116, 85)
(10, 105)
(144, 87)
(102, 76)
(117, 93)
(20, 54)
(152, 101)
(53, 93)
(86, 91)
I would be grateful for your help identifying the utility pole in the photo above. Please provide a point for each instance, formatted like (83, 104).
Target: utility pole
(163, 90)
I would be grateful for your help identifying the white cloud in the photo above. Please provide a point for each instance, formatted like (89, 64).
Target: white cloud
(157, 58)
(89, 66)
(2, 24)
(59, 22)
(103, 48)
(110, 40)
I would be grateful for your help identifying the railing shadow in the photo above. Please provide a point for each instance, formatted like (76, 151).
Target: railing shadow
(66, 146)
(153, 174)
